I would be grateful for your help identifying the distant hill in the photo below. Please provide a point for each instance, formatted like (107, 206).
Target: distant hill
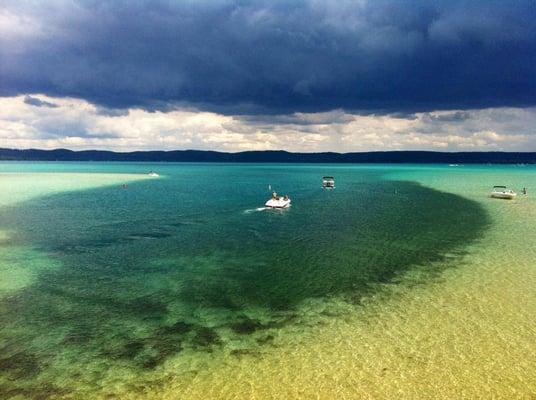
(271, 156)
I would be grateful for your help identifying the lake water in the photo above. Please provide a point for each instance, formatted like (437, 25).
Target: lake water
(403, 280)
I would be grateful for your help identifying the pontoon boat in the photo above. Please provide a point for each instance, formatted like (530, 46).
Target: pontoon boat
(328, 182)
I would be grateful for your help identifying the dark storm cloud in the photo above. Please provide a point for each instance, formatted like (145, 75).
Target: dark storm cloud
(457, 116)
(34, 101)
(112, 112)
(333, 117)
(403, 115)
(274, 57)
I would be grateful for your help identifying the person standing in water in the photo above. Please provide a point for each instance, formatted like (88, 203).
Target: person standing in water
(524, 190)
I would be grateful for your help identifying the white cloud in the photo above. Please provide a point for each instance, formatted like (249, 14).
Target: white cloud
(77, 124)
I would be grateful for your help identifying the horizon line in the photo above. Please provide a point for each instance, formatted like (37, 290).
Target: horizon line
(266, 151)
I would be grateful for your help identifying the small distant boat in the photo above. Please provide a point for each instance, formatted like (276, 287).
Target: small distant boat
(152, 173)
(278, 202)
(502, 192)
(454, 165)
(328, 182)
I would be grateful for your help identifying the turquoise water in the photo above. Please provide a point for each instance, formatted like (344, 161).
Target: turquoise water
(187, 264)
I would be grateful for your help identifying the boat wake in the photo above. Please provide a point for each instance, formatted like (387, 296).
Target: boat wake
(252, 210)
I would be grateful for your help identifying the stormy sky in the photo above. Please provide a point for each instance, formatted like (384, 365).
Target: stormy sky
(297, 75)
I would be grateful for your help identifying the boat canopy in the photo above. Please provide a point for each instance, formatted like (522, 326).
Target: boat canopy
(499, 187)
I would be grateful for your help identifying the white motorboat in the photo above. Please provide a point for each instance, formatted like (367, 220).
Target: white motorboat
(502, 192)
(328, 182)
(152, 173)
(278, 202)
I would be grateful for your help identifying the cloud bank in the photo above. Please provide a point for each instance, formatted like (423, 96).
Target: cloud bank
(78, 124)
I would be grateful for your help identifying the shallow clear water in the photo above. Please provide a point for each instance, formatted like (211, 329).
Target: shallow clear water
(112, 290)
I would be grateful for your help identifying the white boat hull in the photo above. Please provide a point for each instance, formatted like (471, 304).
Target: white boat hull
(503, 195)
(277, 203)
